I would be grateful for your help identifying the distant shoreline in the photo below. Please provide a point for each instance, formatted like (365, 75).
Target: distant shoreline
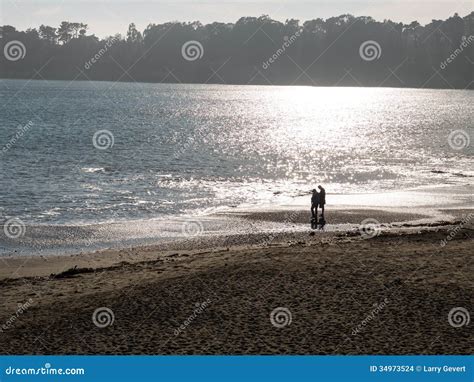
(236, 84)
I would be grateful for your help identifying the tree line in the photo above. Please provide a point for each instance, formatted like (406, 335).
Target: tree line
(343, 51)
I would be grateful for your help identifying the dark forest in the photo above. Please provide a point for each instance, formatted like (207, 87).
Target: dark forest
(339, 51)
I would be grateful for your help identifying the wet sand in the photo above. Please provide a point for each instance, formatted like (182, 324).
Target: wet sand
(240, 224)
(246, 228)
(331, 293)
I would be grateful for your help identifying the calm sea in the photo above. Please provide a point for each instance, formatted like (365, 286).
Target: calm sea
(83, 152)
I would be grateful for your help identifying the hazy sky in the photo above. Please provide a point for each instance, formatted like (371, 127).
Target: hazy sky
(106, 17)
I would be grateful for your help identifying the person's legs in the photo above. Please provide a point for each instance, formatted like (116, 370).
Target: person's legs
(312, 210)
(322, 210)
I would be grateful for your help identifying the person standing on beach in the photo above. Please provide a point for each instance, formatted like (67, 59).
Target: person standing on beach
(322, 200)
(314, 204)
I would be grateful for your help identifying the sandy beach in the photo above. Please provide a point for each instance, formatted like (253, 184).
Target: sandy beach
(237, 190)
(293, 293)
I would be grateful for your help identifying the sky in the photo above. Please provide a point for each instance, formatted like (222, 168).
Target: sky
(108, 17)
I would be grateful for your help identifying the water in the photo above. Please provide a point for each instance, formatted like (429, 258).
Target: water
(193, 149)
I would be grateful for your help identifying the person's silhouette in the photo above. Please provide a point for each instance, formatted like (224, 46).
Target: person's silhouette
(314, 204)
(322, 199)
